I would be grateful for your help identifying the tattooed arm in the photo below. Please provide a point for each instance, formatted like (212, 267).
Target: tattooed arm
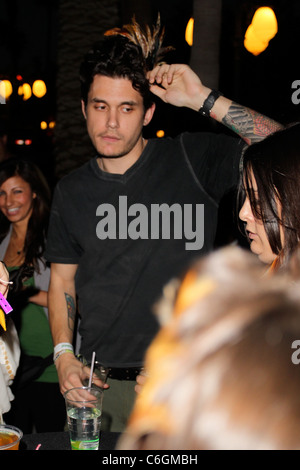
(250, 125)
(180, 86)
(62, 310)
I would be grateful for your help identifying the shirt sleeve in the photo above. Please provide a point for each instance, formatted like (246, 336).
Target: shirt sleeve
(214, 160)
(61, 246)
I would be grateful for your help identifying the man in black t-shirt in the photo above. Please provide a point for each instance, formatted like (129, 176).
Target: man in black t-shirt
(137, 214)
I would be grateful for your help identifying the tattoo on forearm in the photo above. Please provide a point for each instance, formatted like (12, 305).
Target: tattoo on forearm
(249, 124)
(71, 310)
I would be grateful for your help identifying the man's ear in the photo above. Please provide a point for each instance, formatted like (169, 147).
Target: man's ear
(149, 114)
(83, 109)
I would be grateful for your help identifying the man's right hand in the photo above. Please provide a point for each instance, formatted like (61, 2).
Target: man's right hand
(70, 372)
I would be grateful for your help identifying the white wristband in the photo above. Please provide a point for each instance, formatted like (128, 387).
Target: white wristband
(62, 348)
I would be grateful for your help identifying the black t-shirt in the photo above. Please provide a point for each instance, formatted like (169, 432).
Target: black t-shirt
(131, 234)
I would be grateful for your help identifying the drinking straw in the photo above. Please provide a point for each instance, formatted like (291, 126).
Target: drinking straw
(92, 368)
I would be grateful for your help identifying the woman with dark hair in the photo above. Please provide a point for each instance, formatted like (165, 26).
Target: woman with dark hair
(24, 210)
(270, 195)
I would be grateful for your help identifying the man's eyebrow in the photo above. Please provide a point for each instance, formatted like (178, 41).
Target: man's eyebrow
(127, 102)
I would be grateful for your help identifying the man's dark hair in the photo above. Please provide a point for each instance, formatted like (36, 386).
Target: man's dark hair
(116, 57)
(128, 52)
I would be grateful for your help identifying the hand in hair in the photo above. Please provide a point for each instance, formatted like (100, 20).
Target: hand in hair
(178, 85)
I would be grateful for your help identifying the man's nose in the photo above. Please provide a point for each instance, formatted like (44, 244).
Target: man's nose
(112, 119)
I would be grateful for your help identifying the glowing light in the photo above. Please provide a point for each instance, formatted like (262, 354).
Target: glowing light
(265, 23)
(43, 125)
(262, 29)
(160, 133)
(26, 91)
(189, 32)
(252, 43)
(6, 88)
(39, 88)
(51, 124)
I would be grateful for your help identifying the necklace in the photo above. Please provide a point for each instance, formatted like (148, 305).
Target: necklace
(14, 254)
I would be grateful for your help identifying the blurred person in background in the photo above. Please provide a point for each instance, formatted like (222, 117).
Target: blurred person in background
(24, 204)
(220, 371)
(9, 349)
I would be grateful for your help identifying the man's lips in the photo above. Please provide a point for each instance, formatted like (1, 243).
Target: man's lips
(110, 138)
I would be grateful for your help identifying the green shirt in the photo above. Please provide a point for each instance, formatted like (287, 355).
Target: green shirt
(35, 336)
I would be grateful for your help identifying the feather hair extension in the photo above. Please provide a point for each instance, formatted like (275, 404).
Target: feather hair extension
(150, 41)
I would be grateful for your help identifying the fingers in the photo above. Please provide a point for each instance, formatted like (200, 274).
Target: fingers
(140, 381)
(4, 278)
(96, 380)
(160, 78)
(162, 73)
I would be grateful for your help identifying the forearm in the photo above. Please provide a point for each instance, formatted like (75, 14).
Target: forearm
(178, 85)
(250, 125)
(62, 309)
(41, 298)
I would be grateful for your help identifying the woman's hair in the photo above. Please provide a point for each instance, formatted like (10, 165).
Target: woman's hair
(126, 52)
(275, 164)
(38, 223)
(222, 372)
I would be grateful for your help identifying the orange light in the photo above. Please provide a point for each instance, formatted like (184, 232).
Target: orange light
(189, 32)
(39, 88)
(261, 30)
(252, 43)
(26, 91)
(160, 133)
(6, 88)
(265, 23)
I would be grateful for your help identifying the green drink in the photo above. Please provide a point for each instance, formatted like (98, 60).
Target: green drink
(84, 427)
(84, 409)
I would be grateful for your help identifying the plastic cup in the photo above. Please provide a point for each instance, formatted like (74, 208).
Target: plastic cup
(10, 437)
(100, 371)
(84, 410)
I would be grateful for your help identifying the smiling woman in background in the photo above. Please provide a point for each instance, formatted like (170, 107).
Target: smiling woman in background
(270, 194)
(24, 211)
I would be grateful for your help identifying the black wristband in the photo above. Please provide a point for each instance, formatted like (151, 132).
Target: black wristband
(209, 102)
